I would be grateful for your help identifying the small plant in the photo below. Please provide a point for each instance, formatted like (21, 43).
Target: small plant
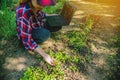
(38, 73)
(53, 73)
(77, 39)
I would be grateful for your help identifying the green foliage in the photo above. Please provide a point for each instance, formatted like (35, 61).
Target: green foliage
(52, 73)
(7, 19)
(55, 9)
(77, 39)
(40, 74)
(7, 25)
(115, 67)
(7, 3)
(65, 57)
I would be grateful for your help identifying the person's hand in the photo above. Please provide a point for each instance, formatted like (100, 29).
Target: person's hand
(50, 60)
(46, 57)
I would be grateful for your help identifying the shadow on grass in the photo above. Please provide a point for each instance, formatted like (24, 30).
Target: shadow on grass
(114, 61)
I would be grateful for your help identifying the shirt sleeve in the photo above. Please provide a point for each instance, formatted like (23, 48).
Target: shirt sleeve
(26, 36)
(41, 14)
(41, 17)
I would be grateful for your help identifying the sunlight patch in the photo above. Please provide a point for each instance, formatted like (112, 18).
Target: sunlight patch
(1, 52)
(107, 15)
(1, 12)
(15, 63)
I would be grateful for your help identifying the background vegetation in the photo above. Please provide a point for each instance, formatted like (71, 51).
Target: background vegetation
(7, 19)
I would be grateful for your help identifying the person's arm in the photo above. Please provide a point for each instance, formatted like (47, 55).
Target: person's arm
(46, 57)
(41, 14)
(30, 44)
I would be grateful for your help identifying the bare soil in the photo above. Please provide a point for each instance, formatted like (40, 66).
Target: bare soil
(105, 28)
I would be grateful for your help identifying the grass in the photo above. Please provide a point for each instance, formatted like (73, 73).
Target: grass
(7, 25)
(76, 40)
(115, 67)
(7, 19)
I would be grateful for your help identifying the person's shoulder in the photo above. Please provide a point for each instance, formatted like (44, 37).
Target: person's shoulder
(24, 10)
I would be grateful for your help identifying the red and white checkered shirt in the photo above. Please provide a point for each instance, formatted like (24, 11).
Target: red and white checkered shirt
(26, 21)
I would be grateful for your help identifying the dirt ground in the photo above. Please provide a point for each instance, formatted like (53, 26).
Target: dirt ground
(14, 61)
(101, 37)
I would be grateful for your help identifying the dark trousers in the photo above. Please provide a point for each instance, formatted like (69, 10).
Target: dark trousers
(40, 34)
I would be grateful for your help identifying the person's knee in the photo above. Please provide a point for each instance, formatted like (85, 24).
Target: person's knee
(46, 33)
(41, 34)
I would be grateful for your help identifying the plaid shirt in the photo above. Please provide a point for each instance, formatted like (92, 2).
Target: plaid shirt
(26, 21)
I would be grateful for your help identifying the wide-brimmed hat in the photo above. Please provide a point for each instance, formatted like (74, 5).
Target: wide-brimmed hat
(46, 2)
